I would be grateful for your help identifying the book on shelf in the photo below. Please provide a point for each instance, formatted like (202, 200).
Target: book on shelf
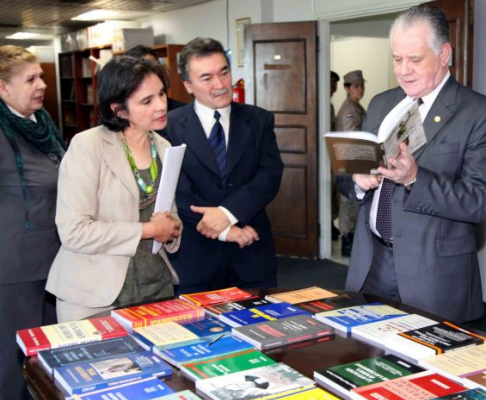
(344, 319)
(266, 312)
(87, 376)
(218, 309)
(175, 334)
(363, 152)
(343, 378)
(268, 334)
(46, 337)
(216, 296)
(157, 313)
(458, 364)
(308, 393)
(476, 380)
(225, 365)
(201, 351)
(55, 358)
(421, 386)
(254, 384)
(376, 332)
(145, 389)
(435, 339)
(328, 304)
(471, 394)
(300, 295)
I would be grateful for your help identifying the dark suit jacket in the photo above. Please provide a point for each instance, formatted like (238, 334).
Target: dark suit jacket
(254, 173)
(434, 244)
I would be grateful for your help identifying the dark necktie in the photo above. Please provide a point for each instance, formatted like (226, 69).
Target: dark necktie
(383, 215)
(218, 145)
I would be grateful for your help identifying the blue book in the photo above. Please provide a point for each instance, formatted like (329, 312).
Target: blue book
(145, 389)
(96, 375)
(200, 351)
(263, 313)
(55, 358)
(344, 319)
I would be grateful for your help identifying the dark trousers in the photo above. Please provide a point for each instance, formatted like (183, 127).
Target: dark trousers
(22, 305)
(382, 277)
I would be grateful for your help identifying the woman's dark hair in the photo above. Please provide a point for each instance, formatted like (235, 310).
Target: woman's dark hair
(117, 81)
(140, 51)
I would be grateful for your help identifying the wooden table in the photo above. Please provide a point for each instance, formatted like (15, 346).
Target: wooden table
(305, 357)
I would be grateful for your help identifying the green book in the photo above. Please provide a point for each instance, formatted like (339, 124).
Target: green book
(224, 365)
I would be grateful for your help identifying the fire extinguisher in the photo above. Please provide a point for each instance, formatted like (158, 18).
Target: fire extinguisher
(239, 91)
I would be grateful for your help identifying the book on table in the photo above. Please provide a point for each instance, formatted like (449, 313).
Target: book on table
(471, 394)
(269, 334)
(65, 334)
(266, 312)
(216, 296)
(345, 377)
(300, 295)
(376, 332)
(157, 313)
(477, 379)
(328, 304)
(421, 386)
(363, 152)
(55, 358)
(218, 309)
(182, 395)
(344, 319)
(435, 339)
(87, 376)
(177, 356)
(254, 384)
(459, 364)
(308, 393)
(225, 364)
(176, 334)
(145, 389)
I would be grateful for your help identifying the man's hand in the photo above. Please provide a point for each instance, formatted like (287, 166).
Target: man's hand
(243, 236)
(403, 168)
(366, 182)
(213, 222)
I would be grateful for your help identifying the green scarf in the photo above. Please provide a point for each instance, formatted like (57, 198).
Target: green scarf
(43, 136)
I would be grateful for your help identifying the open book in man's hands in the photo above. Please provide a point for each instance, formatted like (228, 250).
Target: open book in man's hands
(363, 152)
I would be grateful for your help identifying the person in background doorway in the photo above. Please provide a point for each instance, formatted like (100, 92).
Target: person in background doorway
(415, 235)
(231, 171)
(350, 118)
(146, 53)
(108, 184)
(30, 152)
(335, 195)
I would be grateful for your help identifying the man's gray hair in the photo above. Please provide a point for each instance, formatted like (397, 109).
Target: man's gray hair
(434, 17)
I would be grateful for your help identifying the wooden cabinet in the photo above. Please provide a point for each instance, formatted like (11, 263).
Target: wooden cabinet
(79, 85)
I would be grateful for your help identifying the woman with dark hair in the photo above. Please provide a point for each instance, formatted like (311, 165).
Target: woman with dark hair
(30, 151)
(108, 182)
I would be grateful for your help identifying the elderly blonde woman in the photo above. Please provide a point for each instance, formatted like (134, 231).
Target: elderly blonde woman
(108, 182)
(30, 152)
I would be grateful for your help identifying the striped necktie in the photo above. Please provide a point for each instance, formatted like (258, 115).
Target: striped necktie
(218, 145)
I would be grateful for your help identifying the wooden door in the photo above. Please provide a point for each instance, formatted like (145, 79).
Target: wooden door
(281, 63)
(460, 14)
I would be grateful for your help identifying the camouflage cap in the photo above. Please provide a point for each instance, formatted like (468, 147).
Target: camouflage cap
(354, 77)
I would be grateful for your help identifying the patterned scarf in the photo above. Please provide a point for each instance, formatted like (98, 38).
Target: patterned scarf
(43, 136)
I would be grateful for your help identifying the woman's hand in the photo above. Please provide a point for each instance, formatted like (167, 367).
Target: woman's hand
(162, 227)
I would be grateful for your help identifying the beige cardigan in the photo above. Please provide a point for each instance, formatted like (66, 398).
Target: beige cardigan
(97, 219)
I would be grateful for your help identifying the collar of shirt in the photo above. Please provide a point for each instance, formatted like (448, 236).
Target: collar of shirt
(206, 116)
(31, 117)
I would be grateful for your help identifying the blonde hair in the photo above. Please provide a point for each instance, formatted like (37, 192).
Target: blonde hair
(13, 57)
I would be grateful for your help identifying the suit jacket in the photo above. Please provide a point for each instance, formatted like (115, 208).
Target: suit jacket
(254, 173)
(434, 246)
(97, 219)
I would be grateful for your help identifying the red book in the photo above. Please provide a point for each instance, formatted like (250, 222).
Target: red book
(421, 386)
(216, 296)
(69, 333)
(157, 313)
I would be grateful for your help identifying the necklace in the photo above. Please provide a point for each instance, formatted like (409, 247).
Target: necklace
(154, 170)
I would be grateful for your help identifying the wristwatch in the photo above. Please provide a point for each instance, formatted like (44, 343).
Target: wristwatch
(409, 185)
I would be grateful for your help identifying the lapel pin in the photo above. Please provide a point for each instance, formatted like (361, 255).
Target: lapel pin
(437, 118)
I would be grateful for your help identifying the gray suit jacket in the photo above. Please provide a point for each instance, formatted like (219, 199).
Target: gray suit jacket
(433, 225)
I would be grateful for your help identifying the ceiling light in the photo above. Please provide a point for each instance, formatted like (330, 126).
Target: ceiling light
(94, 15)
(22, 35)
